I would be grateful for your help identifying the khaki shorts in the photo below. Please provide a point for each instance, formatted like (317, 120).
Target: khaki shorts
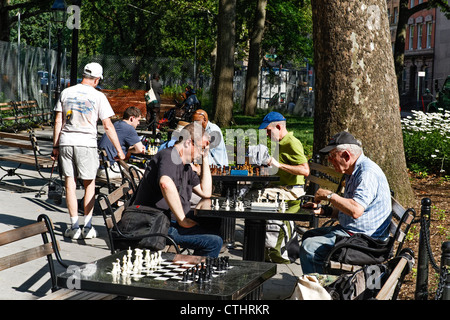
(81, 162)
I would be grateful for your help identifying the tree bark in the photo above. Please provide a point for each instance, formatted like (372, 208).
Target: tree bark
(224, 72)
(356, 87)
(254, 59)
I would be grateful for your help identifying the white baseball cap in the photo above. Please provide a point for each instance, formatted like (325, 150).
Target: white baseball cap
(93, 69)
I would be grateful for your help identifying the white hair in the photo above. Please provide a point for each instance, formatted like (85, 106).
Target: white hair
(354, 149)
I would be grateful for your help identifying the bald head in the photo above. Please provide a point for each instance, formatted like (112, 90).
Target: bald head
(201, 116)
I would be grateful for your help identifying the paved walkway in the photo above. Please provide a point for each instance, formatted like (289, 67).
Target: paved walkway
(20, 207)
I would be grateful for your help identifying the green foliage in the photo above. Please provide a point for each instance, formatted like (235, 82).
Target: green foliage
(301, 127)
(426, 138)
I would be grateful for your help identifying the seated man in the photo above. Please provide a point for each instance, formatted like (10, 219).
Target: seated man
(191, 101)
(364, 208)
(128, 138)
(217, 150)
(292, 164)
(168, 184)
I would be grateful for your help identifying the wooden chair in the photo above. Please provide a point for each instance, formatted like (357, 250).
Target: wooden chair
(43, 227)
(112, 207)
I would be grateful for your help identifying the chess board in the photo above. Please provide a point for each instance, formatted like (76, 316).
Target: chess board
(135, 266)
(231, 204)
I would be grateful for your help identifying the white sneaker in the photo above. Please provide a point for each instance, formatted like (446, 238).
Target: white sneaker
(73, 233)
(89, 233)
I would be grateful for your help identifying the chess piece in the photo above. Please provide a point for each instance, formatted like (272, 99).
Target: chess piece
(217, 207)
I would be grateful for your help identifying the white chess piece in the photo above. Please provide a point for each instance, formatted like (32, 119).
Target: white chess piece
(217, 207)
(227, 205)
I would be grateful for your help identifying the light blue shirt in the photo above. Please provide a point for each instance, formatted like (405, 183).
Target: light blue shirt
(218, 151)
(368, 186)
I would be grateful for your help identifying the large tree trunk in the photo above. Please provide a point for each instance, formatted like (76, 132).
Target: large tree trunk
(223, 89)
(356, 87)
(254, 59)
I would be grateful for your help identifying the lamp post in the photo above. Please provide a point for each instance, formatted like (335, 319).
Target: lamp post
(74, 57)
(59, 17)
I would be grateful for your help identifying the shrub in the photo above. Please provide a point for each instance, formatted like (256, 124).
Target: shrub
(426, 139)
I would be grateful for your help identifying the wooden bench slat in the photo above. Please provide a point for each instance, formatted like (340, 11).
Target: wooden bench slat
(69, 294)
(115, 195)
(22, 232)
(328, 170)
(16, 145)
(25, 256)
(44, 162)
(388, 288)
(14, 136)
(323, 183)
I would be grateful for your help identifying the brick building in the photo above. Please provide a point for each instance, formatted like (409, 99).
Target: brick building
(419, 54)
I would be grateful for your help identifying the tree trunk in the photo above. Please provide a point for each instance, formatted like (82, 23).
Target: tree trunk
(254, 59)
(356, 87)
(223, 97)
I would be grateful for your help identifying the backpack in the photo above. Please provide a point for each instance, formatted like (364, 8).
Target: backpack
(363, 284)
(360, 249)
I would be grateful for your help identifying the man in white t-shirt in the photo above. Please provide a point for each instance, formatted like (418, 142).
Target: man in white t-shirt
(75, 143)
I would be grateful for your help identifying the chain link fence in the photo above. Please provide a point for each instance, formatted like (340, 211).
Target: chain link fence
(28, 73)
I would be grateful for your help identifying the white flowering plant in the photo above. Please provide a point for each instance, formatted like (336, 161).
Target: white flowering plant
(426, 138)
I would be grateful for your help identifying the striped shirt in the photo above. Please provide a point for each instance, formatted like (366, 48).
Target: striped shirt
(368, 186)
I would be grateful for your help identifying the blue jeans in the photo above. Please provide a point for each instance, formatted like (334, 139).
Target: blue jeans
(316, 245)
(201, 240)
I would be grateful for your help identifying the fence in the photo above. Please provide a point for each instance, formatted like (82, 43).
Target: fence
(28, 73)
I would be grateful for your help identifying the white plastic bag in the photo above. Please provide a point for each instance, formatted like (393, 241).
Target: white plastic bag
(309, 288)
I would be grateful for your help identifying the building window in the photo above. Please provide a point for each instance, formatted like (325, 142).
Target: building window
(412, 4)
(419, 36)
(429, 31)
(395, 15)
(411, 37)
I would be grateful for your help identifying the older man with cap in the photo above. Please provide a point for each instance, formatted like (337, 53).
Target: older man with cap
(75, 143)
(291, 162)
(364, 208)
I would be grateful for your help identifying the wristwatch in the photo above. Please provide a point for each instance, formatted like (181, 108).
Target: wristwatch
(329, 196)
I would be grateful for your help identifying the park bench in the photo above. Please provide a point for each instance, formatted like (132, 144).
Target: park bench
(21, 114)
(34, 157)
(112, 207)
(398, 229)
(44, 228)
(324, 177)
